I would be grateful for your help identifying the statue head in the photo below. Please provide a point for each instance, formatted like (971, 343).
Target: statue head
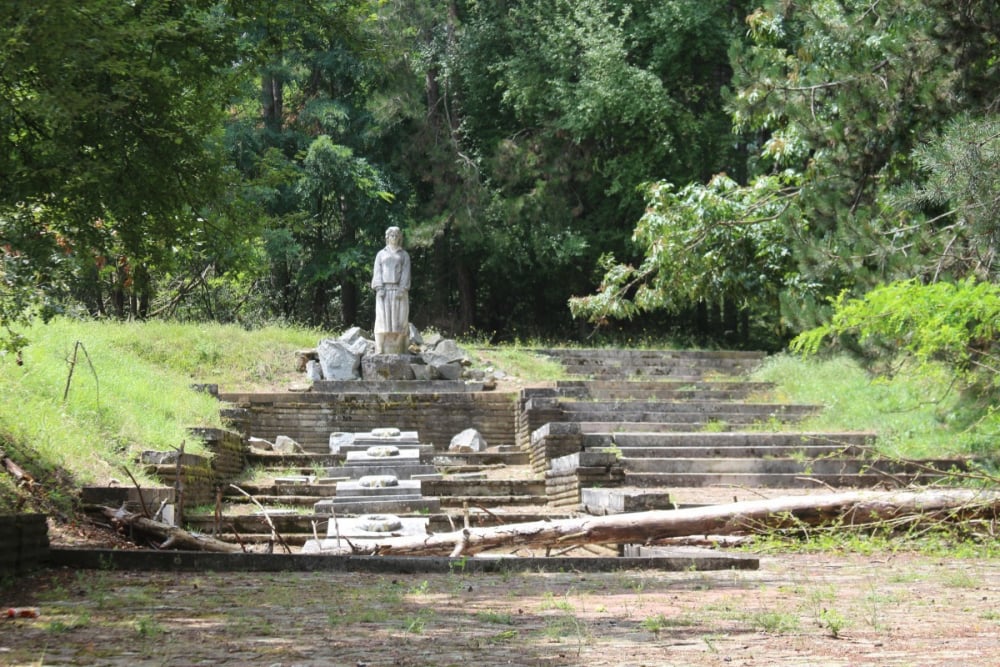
(393, 237)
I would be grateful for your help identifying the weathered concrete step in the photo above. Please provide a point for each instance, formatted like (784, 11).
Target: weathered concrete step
(706, 466)
(277, 461)
(446, 488)
(375, 505)
(306, 499)
(683, 407)
(822, 467)
(626, 353)
(493, 500)
(729, 439)
(513, 457)
(259, 491)
(305, 524)
(750, 480)
(642, 390)
(605, 427)
(808, 452)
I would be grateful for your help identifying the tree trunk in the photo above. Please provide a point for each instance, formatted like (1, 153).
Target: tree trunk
(466, 296)
(647, 527)
(272, 101)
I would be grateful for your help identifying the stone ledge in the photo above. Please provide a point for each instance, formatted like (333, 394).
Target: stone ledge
(196, 561)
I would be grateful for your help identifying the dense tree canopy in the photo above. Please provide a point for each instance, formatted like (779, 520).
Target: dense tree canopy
(728, 164)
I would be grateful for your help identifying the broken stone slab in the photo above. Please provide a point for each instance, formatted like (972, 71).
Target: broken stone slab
(469, 440)
(260, 444)
(285, 445)
(357, 340)
(338, 439)
(564, 465)
(338, 360)
(415, 337)
(618, 501)
(449, 351)
(314, 371)
(302, 359)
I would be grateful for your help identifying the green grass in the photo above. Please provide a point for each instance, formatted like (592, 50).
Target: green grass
(130, 390)
(915, 416)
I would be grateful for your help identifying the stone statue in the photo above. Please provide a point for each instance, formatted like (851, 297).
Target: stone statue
(391, 282)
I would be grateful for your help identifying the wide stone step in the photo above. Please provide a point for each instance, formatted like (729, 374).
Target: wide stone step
(729, 439)
(493, 500)
(686, 407)
(259, 491)
(752, 452)
(275, 461)
(604, 427)
(447, 488)
(811, 478)
(742, 465)
(634, 421)
(666, 390)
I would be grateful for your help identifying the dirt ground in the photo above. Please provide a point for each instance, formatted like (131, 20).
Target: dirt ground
(901, 609)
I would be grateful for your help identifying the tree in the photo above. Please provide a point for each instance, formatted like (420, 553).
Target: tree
(544, 118)
(838, 95)
(111, 113)
(308, 151)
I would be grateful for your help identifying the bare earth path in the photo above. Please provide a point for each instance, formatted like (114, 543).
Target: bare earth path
(901, 609)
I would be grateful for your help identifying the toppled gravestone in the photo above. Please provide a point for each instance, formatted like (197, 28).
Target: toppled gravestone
(469, 440)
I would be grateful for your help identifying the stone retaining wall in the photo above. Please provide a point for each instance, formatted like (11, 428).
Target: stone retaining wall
(24, 542)
(310, 418)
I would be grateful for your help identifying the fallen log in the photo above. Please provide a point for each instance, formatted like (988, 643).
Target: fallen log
(732, 518)
(172, 536)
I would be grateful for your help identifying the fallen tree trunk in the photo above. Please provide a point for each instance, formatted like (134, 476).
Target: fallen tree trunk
(728, 519)
(172, 536)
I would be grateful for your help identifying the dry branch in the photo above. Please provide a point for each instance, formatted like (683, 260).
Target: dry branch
(729, 519)
(172, 536)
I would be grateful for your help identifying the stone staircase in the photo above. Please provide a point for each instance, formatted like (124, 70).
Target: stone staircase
(667, 442)
(638, 430)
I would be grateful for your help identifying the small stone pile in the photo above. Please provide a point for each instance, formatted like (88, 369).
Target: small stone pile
(352, 356)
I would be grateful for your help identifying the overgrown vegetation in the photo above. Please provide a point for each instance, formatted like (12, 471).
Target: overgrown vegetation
(915, 414)
(87, 397)
(130, 390)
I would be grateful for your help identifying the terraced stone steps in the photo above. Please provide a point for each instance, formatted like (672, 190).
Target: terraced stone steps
(660, 390)
(675, 364)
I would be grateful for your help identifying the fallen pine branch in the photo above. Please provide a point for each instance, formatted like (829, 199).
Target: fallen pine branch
(862, 507)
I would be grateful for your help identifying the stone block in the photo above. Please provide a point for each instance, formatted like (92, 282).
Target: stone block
(382, 367)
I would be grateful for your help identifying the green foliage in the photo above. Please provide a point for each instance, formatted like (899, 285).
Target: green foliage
(701, 243)
(111, 114)
(959, 196)
(954, 323)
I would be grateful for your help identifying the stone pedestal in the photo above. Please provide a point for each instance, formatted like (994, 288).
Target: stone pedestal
(383, 367)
